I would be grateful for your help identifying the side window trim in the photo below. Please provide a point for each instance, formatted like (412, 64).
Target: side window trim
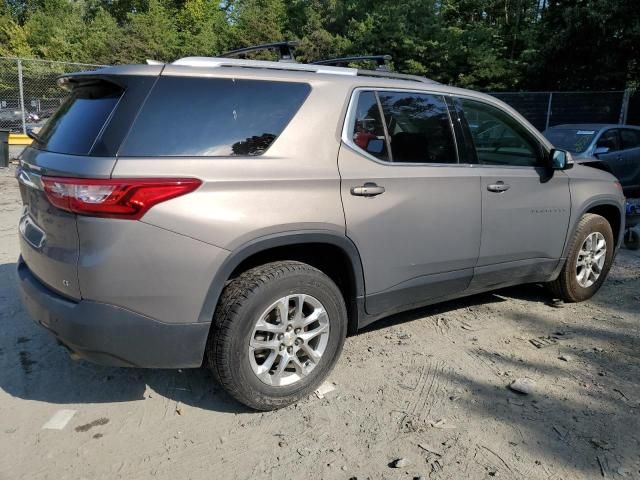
(461, 132)
(387, 138)
(540, 149)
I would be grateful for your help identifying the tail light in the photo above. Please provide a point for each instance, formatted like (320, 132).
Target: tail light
(114, 198)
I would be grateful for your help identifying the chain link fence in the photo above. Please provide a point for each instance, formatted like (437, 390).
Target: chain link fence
(546, 109)
(29, 93)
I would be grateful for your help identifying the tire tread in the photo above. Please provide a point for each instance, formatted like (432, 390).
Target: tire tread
(234, 295)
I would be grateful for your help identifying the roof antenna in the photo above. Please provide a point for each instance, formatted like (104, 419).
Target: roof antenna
(285, 50)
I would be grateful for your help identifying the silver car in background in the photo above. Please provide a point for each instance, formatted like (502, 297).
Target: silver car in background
(613, 148)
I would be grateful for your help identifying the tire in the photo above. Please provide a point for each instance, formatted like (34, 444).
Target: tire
(566, 286)
(244, 301)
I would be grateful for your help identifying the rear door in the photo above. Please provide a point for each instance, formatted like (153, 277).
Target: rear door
(525, 206)
(411, 208)
(75, 142)
(609, 142)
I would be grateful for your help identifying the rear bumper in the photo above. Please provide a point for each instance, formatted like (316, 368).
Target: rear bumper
(111, 335)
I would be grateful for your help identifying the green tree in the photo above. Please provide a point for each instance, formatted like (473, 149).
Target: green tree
(256, 21)
(104, 41)
(13, 38)
(151, 34)
(56, 30)
(310, 21)
(592, 44)
(202, 27)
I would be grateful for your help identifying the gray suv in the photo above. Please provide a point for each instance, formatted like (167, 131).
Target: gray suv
(247, 215)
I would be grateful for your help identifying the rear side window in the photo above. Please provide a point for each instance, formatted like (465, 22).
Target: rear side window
(630, 138)
(213, 117)
(419, 128)
(368, 130)
(75, 127)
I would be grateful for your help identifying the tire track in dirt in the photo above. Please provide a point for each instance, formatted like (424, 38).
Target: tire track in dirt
(425, 397)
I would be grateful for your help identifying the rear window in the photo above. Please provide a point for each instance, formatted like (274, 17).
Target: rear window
(213, 117)
(75, 126)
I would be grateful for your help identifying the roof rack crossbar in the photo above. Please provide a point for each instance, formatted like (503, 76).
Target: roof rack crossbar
(381, 60)
(399, 76)
(285, 50)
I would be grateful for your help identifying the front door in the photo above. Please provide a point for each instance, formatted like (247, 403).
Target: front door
(525, 205)
(630, 173)
(609, 144)
(411, 209)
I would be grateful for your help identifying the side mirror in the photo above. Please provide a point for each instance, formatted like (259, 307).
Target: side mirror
(600, 151)
(375, 145)
(561, 159)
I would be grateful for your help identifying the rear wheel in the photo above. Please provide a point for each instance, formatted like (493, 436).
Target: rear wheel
(278, 331)
(589, 260)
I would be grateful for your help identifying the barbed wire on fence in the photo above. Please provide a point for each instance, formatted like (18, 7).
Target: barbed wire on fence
(29, 95)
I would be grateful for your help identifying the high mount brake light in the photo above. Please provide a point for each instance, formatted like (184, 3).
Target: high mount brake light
(127, 198)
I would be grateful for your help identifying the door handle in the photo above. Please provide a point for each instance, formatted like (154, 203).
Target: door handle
(499, 187)
(369, 189)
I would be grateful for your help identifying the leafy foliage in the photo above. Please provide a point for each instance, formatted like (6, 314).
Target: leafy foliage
(486, 44)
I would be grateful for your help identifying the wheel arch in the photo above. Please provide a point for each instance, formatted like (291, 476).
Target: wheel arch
(334, 254)
(612, 214)
(607, 208)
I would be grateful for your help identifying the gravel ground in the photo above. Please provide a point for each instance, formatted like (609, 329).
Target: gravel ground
(429, 387)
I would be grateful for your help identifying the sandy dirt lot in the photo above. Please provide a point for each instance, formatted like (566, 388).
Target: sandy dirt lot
(429, 386)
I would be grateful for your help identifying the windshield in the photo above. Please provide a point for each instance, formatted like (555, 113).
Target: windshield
(572, 139)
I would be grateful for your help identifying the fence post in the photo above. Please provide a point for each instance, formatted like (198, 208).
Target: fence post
(24, 122)
(549, 110)
(624, 109)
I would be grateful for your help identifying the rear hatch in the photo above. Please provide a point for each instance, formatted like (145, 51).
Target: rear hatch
(80, 140)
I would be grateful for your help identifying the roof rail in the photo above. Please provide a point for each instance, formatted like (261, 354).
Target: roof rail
(381, 60)
(213, 62)
(285, 50)
(398, 76)
(240, 62)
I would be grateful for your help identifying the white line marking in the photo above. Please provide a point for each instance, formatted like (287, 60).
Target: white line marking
(59, 420)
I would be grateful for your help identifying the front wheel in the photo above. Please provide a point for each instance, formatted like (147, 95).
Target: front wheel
(278, 331)
(589, 260)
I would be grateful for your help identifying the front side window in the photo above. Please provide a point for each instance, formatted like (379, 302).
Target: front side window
(213, 117)
(630, 138)
(419, 128)
(500, 139)
(609, 140)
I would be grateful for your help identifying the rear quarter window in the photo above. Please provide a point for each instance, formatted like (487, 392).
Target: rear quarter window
(77, 124)
(213, 117)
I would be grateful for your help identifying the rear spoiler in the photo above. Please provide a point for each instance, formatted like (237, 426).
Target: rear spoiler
(111, 74)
